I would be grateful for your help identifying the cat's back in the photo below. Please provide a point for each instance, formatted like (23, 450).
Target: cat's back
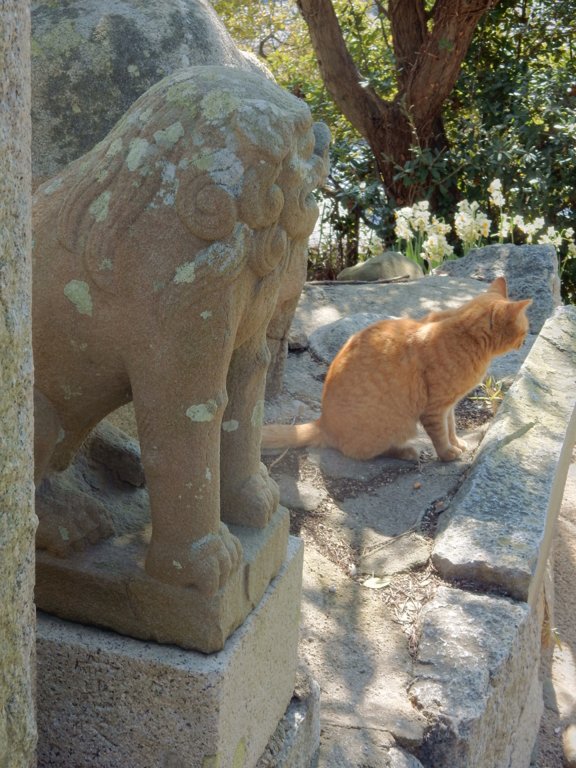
(378, 344)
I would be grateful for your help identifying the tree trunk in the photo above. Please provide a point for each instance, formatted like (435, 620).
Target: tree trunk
(429, 51)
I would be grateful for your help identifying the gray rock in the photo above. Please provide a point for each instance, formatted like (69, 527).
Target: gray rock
(326, 342)
(530, 270)
(476, 679)
(323, 304)
(91, 61)
(296, 494)
(400, 554)
(496, 533)
(385, 266)
(345, 747)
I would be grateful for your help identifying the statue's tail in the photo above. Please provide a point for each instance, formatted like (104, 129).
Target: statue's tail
(292, 435)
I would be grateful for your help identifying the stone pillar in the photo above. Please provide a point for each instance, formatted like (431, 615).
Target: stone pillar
(17, 519)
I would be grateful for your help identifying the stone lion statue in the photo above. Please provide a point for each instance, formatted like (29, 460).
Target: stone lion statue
(158, 260)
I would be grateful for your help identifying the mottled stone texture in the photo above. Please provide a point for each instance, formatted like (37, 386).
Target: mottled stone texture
(106, 701)
(17, 727)
(158, 260)
(92, 59)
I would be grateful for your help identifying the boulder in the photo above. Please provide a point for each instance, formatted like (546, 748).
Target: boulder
(385, 266)
(530, 270)
(91, 61)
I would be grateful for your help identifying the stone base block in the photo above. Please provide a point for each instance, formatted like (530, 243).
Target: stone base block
(107, 701)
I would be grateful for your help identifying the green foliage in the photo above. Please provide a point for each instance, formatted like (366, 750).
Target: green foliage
(354, 200)
(511, 117)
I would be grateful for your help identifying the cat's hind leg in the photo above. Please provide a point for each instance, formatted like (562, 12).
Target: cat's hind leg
(405, 452)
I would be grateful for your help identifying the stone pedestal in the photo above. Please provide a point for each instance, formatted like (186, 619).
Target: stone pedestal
(105, 583)
(108, 701)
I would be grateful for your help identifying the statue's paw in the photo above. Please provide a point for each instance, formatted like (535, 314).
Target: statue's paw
(70, 523)
(206, 564)
(254, 503)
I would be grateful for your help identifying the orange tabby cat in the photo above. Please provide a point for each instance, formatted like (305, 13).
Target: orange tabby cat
(395, 373)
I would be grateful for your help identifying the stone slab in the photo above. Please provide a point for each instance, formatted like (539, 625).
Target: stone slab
(358, 655)
(476, 680)
(323, 304)
(108, 701)
(343, 747)
(295, 742)
(498, 531)
(530, 270)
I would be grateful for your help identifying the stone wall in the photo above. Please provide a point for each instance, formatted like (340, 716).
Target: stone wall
(17, 519)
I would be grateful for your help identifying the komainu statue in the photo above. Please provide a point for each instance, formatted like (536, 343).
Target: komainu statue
(158, 261)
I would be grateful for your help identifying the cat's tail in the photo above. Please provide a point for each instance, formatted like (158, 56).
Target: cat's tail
(292, 435)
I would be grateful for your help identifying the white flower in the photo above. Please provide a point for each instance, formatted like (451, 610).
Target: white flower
(530, 228)
(420, 216)
(505, 226)
(402, 229)
(495, 191)
(436, 248)
(518, 221)
(471, 224)
(551, 236)
(438, 227)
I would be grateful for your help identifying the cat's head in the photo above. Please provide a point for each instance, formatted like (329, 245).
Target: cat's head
(507, 319)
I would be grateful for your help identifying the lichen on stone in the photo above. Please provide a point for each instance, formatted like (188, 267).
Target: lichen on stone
(53, 185)
(202, 412)
(224, 167)
(137, 152)
(182, 95)
(99, 207)
(224, 255)
(257, 417)
(170, 136)
(114, 148)
(185, 273)
(78, 292)
(219, 104)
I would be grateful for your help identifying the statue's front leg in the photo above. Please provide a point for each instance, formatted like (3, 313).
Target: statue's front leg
(179, 414)
(249, 495)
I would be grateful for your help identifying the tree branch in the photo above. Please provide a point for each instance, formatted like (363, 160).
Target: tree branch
(409, 33)
(437, 65)
(357, 100)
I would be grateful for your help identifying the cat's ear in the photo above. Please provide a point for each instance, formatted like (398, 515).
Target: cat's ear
(521, 306)
(516, 308)
(499, 286)
(507, 311)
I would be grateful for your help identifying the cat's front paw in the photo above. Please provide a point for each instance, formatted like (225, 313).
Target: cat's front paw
(461, 444)
(254, 503)
(206, 564)
(450, 454)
